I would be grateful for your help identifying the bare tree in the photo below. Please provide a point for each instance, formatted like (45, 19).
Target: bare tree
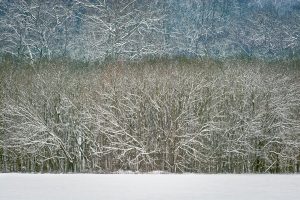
(120, 28)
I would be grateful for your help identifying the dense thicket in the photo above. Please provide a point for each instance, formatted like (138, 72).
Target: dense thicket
(231, 116)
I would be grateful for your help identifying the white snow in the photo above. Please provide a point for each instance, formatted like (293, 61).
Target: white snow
(148, 187)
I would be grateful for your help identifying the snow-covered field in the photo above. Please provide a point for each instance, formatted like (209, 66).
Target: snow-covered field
(148, 186)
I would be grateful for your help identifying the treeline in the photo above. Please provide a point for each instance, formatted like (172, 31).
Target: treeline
(205, 116)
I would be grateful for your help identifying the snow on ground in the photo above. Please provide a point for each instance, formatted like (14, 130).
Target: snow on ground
(148, 187)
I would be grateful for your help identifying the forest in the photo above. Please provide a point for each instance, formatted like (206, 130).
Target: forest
(99, 86)
(134, 29)
(169, 115)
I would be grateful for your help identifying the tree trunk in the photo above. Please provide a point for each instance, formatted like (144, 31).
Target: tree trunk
(4, 157)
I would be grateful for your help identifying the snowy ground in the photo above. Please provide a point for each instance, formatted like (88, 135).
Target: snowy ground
(150, 187)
